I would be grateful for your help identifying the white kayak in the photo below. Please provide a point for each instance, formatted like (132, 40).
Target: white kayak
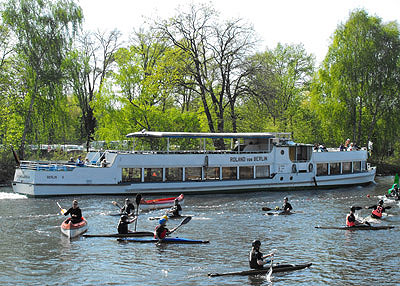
(72, 230)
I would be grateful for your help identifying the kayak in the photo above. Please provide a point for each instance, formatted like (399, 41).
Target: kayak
(131, 234)
(275, 269)
(172, 240)
(357, 227)
(160, 203)
(169, 217)
(279, 213)
(72, 230)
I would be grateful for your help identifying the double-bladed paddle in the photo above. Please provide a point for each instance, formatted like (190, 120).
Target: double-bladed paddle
(138, 200)
(270, 270)
(63, 211)
(116, 204)
(269, 209)
(184, 221)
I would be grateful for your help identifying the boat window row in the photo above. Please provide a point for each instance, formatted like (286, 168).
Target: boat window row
(338, 168)
(180, 174)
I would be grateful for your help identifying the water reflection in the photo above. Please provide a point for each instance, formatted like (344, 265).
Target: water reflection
(32, 245)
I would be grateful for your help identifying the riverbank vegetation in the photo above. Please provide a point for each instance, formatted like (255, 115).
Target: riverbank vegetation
(194, 72)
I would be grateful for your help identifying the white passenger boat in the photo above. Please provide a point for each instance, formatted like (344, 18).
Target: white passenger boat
(254, 161)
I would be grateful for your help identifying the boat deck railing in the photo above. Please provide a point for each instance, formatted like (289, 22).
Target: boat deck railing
(146, 152)
(51, 166)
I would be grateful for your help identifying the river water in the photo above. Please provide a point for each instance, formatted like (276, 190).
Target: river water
(34, 252)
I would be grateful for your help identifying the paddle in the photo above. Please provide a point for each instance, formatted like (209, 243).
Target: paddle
(270, 270)
(138, 199)
(184, 221)
(63, 211)
(116, 204)
(363, 221)
(269, 209)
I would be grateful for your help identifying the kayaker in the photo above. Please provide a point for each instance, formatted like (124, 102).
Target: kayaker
(123, 224)
(128, 208)
(161, 231)
(394, 191)
(286, 207)
(256, 258)
(377, 210)
(75, 212)
(351, 218)
(176, 210)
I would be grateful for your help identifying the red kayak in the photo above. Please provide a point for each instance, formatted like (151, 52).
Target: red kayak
(160, 203)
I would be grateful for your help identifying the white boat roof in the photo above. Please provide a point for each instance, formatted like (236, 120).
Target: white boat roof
(155, 134)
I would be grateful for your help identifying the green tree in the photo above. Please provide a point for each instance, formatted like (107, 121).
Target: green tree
(215, 53)
(88, 66)
(44, 31)
(278, 80)
(360, 75)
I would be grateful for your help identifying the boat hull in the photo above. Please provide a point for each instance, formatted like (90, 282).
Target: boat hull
(275, 269)
(72, 230)
(203, 172)
(357, 227)
(226, 186)
(131, 234)
(160, 203)
(168, 240)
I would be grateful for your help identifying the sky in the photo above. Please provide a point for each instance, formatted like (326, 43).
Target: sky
(310, 22)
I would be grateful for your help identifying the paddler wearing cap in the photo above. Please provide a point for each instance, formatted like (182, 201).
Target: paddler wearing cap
(377, 210)
(256, 258)
(286, 207)
(351, 218)
(75, 212)
(123, 223)
(176, 210)
(128, 208)
(161, 230)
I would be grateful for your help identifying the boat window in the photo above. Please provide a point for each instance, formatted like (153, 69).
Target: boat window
(131, 174)
(246, 172)
(262, 172)
(173, 174)
(335, 168)
(356, 166)
(300, 153)
(193, 174)
(211, 173)
(322, 169)
(229, 173)
(153, 174)
(346, 168)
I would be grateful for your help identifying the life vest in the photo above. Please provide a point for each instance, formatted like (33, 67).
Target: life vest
(349, 223)
(378, 211)
(162, 235)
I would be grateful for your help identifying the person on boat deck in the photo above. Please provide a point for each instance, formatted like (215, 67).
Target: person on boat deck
(128, 208)
(377, 210)
(351, 218)
(161, 231)
(75, 212)
(394, 191)
(176, 209)
(123, 224)
(71, 160)
(256, 258)
(286, 207)
(79, 161)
